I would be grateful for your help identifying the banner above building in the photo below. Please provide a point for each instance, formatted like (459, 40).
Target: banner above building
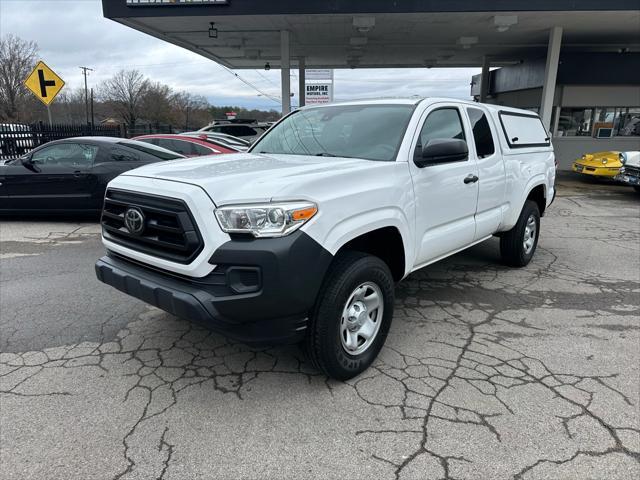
(147, 3)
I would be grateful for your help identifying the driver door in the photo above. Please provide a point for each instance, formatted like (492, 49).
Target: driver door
(56, 177)
(446, 197)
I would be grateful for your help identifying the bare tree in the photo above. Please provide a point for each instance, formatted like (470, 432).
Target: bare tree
(125, 92)
(156, 103)
(190, 109)
(17, 58)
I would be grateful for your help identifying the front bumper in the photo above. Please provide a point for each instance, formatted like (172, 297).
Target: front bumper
(631, 177)
(261, 291)
(595, 171)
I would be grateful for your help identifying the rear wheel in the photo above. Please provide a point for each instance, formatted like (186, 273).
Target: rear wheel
(352, 316)
(518, 245)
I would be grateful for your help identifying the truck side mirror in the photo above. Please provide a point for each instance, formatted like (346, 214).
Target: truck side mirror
(442, 150)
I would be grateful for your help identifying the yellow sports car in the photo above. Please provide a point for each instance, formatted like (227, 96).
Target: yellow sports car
(599, 164)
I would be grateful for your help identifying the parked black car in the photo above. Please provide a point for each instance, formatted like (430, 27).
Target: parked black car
(67, 176)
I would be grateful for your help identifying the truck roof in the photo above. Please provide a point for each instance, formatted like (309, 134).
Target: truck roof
(415, 100)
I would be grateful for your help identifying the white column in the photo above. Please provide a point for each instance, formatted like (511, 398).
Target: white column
(550, 75)
(301, 80)
(285, 58)
(484, 79)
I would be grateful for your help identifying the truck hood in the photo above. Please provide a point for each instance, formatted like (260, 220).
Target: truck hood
(248, 177)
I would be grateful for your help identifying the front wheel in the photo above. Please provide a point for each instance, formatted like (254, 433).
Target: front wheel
(518, 245)
(352, 316)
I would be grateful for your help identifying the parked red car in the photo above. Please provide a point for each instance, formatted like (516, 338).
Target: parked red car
(188, 146)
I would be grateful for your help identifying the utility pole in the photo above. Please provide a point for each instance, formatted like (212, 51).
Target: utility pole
(92, 117)
(86, 93)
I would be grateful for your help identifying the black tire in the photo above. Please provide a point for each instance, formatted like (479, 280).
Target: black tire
(512, 247)
(322, 344)
(636, 188)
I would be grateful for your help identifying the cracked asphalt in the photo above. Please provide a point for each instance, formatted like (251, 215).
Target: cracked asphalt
(488, 372)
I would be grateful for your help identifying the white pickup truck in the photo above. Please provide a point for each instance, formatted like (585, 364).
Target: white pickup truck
(302, 238)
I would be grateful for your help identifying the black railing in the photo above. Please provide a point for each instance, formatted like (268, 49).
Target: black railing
(148, 129)
(18, 139)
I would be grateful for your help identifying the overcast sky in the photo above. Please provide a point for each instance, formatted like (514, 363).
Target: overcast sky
(73, 33)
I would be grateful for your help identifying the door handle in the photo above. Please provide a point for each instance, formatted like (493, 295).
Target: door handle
(77, 173)
(470, 179)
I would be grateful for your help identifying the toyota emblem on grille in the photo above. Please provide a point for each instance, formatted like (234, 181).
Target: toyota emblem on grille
(134, 221)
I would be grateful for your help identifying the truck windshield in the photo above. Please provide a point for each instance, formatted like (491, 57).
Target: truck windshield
(370, 132)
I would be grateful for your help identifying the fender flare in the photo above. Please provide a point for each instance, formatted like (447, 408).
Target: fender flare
(350, 228)
(512, 215)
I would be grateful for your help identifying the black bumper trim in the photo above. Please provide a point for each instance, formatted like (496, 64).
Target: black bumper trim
(291, 271)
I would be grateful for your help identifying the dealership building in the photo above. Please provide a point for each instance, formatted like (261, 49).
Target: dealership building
(575, 63)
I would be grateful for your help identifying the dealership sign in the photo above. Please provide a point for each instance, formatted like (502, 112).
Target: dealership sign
(318, 86)
(175, 2)
(318, 93)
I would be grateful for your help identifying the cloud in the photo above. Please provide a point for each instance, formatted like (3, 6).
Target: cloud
(73, 33)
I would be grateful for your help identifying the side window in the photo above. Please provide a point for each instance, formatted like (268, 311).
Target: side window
(152, 141)
(164, 143)
(443, 123)
(238, 130)
(481, 133)
(67, 154)
(201, 150)
(122, 155)
(48, 155)
(178, 146)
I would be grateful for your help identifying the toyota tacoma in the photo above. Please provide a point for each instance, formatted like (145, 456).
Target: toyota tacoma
(303, 238)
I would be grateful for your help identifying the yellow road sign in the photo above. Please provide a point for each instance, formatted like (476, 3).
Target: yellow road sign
(44, 83)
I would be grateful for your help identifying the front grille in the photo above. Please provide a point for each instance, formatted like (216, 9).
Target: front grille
(632, 171)
(170, 231)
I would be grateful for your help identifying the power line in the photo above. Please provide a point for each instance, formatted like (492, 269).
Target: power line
(249, 84)
(273, 98)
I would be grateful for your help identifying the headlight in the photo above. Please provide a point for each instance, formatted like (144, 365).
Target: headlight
(265, 220)
(604, 161)
(623, 158)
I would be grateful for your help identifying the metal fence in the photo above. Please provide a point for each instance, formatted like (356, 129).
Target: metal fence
(148, 129)
(18, 139)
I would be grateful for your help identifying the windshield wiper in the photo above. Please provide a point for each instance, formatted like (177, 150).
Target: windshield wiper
(327, 154)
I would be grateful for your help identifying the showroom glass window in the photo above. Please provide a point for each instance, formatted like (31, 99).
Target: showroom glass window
(585, 122)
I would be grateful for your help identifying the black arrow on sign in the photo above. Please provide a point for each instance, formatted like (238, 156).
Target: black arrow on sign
(44, 83)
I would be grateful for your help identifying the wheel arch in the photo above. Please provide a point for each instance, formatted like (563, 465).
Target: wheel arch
(386, 243)
(538, 193)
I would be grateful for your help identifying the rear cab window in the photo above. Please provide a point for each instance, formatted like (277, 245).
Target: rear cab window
(522, 130)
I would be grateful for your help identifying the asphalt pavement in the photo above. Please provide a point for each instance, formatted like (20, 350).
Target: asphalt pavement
(488, 373)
